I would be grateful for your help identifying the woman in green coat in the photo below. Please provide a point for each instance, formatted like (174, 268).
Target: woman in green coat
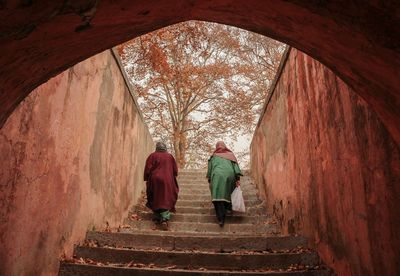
(223, 174)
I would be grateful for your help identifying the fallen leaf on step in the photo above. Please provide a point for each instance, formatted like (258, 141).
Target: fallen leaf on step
(135, 217)
(130, 264)
(108, 229)
(90, 261)
(90, 243)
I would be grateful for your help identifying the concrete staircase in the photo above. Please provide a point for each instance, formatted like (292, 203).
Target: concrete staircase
(248, 244)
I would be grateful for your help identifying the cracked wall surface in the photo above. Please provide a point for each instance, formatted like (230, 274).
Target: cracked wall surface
(329, 169)
(72, 159)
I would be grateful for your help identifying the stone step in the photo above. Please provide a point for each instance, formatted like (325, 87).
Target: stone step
(248, 244)
(207, 192)
(203, 171)
(203, 191)
(191, 172)
(208, 203)
(204, 180)
(208, 210)
(245, 180)
(192, 203)
(256, 210)
(69, 269)
(217, 242)
(238, 229)
(200, 185)
(187, 192)
(185, 180)
(204, 176)
(195, 260)
(201, 179)
(193, 177)
(207, 197)
(203, 218)
(205, 188)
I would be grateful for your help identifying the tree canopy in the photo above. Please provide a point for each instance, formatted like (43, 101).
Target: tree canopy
(198, 82)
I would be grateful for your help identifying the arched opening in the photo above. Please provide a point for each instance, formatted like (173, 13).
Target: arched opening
(358, 43)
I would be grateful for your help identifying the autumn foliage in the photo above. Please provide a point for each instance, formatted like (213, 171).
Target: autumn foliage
(198, 82)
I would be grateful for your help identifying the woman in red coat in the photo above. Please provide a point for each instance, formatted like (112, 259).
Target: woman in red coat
(162, 188)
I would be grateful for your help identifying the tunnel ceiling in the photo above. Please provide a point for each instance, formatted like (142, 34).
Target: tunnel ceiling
(360, 43)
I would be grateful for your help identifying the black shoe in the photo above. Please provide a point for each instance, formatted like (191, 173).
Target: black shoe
(164, 225)
(221, 223)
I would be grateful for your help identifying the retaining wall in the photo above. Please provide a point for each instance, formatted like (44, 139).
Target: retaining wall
(329, 169)
(72, 159)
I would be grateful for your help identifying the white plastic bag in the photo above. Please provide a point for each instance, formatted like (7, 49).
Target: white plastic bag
(237, 200)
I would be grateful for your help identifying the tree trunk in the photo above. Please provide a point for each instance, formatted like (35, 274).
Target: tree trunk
(182, 150)
(179, 142)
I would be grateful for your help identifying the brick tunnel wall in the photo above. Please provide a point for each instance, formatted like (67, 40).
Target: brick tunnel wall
(329, 170)
(72, 159)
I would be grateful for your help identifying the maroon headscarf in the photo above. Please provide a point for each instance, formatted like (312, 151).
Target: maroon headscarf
(222, 151)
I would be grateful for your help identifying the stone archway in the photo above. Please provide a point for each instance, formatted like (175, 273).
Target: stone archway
(360, 43)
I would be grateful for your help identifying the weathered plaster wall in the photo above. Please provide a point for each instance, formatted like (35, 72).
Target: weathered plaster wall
(72, 157)
(329, 169)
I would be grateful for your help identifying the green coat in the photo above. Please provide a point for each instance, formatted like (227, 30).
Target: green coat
(223, 174)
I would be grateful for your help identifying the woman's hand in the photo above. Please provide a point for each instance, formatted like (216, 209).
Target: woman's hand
(237, 183)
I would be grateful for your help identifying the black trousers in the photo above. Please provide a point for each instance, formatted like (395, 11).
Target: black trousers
(221, 208)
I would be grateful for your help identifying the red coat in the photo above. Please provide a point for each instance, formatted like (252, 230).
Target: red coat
(162, 188)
